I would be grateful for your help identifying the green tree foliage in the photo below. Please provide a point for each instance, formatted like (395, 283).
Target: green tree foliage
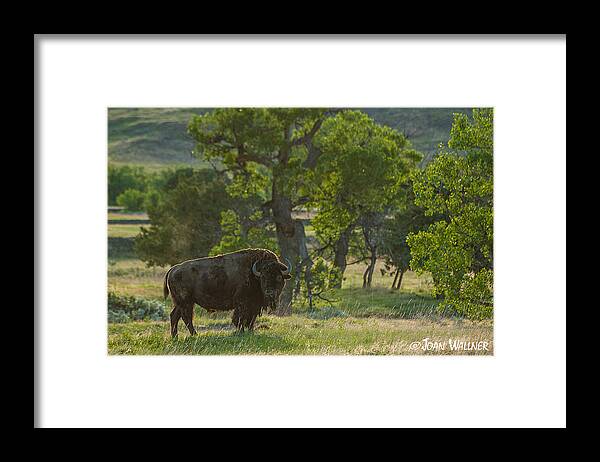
(360, 176)
(406, 219)
(123, 178)
(266, 152)
(324, 276)
(238, 233)
(137, 189)
(458, 184)
(185, 218)
(132, 199)
(258, 146)
(426, 128)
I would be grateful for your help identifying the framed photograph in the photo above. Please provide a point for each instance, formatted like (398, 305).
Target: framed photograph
(306, 231)
(349, 219)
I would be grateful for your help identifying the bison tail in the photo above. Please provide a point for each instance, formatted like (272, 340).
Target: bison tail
(166, 285)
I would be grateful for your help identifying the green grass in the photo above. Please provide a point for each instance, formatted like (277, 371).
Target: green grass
(130, 276)
(296, 335)
(411, 282)
(358, 322)
(123, 230)
(129, 229)
(151, 165)
(127, 216)
(384, 303)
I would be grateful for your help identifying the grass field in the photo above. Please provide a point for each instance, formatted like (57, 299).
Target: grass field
(358, 322)
(123, 230)
(126, 229)
(299, 334)
(127, 216)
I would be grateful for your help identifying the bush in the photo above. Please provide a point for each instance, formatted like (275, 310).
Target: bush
(324, 275)
(190, 215)
(457, 250)
(126, 309)
(477, 295)
(132, 199)
(122, 178)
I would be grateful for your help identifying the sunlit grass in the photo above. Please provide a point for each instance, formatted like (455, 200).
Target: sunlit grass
(296, 335)
(127, 216)
(123, 230)
(357, 321)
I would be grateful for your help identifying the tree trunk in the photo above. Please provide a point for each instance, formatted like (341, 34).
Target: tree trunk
(371, 268)
(395, 278)
(368, 229)
(305, 262)
(290, 233)
(288, 245)
(365, 277)
(400, 279)
(281, 206)
(340, 253)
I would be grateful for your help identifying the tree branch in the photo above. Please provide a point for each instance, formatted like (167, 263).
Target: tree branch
(310, 135)
(301, 201)
(326, 299)
(313, 156)
(247, 157)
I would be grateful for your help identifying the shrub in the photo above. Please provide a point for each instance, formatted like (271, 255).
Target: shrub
(122, 178)
(126, 309)
(323, 277)
(192, 213)
(457, 250)
(132, 199)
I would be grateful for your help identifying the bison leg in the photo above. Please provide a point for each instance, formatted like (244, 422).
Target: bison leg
(237, 319)
(175, 316)
(188, 315)
(251, 322)
(250, 318)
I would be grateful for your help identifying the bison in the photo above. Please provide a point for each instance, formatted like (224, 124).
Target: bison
(247, 282)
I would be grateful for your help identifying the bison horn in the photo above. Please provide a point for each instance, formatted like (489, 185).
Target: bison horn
(254, 270)
(289, 267)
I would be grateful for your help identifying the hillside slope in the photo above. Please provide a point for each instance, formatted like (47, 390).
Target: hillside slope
(150, 135)
(426, 128)
(159, 135)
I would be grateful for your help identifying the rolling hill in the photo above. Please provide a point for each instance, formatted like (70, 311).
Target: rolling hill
(158, 136)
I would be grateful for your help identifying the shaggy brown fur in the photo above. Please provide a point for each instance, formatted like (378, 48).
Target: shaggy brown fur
(225, 282)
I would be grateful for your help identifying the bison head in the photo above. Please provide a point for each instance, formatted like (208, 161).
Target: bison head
(272, 275)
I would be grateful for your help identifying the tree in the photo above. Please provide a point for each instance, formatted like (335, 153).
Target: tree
(359, 177)
(132, 199)
(185, 218)
(268, 152)
(371, 226)
(407, 219)
(458, 184)
(240, 232)
(122, 178)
